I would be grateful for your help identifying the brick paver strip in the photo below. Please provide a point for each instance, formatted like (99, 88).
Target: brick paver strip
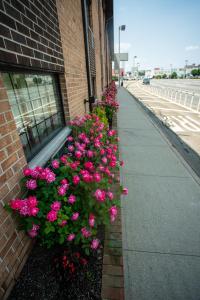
(112, 275)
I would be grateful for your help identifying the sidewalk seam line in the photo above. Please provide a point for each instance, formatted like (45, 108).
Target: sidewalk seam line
(162, 253)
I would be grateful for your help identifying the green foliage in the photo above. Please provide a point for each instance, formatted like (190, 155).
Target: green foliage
(101, 113)
(195, 72)
(174, 75)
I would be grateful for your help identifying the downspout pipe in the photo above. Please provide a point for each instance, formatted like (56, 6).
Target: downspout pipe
(87, 53)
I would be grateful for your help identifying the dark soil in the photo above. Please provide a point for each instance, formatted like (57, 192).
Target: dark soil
(40, 280)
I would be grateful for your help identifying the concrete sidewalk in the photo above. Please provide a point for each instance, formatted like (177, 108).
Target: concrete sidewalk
(161, 215)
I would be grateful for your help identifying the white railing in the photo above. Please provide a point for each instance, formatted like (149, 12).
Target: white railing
(183, 98)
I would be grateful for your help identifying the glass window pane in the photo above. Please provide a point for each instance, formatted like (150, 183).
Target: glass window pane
(36, 108)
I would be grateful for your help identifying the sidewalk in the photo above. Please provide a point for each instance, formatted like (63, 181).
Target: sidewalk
(161, 215)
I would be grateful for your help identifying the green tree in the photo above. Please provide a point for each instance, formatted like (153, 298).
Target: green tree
(141, 73)
(174, 75)
(195, 72)
(164, 76)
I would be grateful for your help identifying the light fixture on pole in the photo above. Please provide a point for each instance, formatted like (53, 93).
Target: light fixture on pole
(121, 28)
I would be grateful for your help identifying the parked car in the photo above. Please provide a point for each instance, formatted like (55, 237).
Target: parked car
(146, 81)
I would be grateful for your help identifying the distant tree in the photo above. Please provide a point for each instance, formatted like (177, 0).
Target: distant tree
(174, 75)
(158, 77)
(164, 76)
(141, 73)
(195, 72)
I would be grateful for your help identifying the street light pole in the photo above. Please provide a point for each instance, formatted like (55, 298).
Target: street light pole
(122, 28)
(186, 61)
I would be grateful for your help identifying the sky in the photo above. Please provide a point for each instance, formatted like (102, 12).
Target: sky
(159, 32)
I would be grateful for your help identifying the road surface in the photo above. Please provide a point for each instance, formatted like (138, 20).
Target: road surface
(182, 120)
(191, 85)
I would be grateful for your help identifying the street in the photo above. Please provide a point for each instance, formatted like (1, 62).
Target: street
(176, 111)
(184, 84)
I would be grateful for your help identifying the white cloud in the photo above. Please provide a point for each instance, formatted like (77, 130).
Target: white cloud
(124, 47)
(192, 47)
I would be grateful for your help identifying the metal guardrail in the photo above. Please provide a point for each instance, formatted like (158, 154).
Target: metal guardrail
(183, 98)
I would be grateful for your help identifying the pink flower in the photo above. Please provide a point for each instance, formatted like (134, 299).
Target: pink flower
(70, 237)
(70, 139)
(71, 199)
(110, 195)
(52, 216)
(63, 223)
(24, 209)
(75, 216)
(63, 159)
(97, 177)
(91, 220)
(27, 172)
(61, 190)
(56, 205)
(76, 179)
(89, 165)
(32, 233)
(100, 195)
(121, 163)
(90, 153)
(31, 184)
(102, 151)
(32, 201)
(64, 181)
(16, 204)
(112, 164)
(70, 148)
(94, 244)
(34, 211)
(101, 168)
(55, 164)
(78, 154)
(86, 233)
(104, 160)
(50, 177)
(86, 176)
(125, 191)
(113, 213)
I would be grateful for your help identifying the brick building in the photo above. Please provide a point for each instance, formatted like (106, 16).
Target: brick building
(54, 54)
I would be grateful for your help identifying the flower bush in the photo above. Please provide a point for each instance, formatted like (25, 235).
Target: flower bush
(66, 201)
(109, 101)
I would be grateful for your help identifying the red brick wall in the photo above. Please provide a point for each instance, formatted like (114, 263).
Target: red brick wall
(14, 245)
(72, 37)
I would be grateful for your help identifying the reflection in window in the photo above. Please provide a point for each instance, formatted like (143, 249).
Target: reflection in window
(36, 107)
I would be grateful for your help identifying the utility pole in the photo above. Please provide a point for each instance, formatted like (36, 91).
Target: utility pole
(121, 28)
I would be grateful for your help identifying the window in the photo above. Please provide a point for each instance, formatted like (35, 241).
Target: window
(37, 109)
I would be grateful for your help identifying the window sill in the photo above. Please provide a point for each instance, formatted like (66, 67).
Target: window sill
(50, 149)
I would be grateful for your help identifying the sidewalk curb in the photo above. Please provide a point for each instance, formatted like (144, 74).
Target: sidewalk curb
(113, 273)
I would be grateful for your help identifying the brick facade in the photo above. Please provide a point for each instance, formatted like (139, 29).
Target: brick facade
(44, 36)
(30, 35)
(71, 29)
(14, 245)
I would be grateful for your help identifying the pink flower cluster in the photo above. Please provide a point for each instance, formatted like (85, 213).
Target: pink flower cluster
(109, 97)
(53, 213)
(25, 207)
(38, 173)
(86, 233)
(33, 232)
(113, 213)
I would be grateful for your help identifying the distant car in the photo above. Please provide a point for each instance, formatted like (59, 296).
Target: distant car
(146, 81)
